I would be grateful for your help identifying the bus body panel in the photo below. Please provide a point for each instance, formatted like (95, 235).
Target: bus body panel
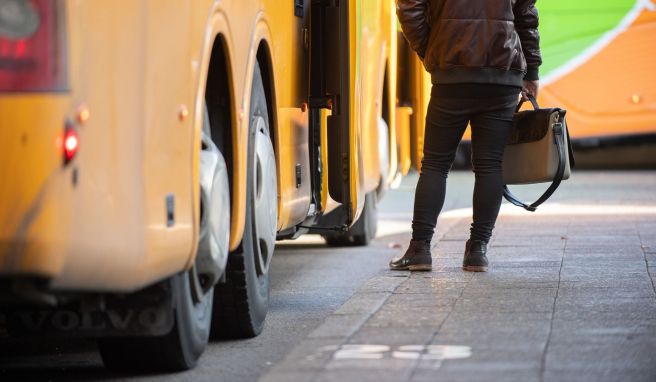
(377, 41)
(389, 110)
(34, 200)
(105, 213)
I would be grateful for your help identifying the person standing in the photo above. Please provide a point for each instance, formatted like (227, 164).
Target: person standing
(481, 55)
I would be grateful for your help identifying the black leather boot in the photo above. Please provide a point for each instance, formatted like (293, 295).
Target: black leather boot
(475, 259)
(416, 258)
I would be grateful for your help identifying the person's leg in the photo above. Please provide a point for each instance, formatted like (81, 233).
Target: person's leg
(490, 129)
(445, 125)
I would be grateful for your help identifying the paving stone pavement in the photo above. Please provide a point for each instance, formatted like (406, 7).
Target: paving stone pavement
(569, 296)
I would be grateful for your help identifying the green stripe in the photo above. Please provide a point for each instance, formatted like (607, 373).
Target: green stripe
(568, 27)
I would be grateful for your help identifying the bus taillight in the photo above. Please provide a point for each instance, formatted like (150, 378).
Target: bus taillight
(32, 46)
(71, 144)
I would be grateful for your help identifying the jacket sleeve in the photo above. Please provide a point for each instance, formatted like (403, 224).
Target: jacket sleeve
(526, 24)
(413, 16)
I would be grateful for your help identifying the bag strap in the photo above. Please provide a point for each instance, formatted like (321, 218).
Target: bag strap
(534, 102)
(559, 137)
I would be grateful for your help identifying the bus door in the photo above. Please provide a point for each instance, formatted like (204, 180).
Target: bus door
(335, 84)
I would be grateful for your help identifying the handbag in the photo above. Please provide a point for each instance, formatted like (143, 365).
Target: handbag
(537, 150)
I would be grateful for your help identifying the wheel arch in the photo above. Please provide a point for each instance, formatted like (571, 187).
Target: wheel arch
(260, 35)
(219, 80)
(221, 58)
(220, 101)
(265, 62)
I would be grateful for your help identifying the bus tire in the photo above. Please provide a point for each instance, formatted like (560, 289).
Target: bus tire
(176, 351)
(241, 303)
(364, 229)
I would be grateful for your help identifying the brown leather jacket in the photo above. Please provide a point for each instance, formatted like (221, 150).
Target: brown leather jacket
(474, 41)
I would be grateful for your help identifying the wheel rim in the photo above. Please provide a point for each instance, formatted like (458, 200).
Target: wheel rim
(214, 232)
(265, 196)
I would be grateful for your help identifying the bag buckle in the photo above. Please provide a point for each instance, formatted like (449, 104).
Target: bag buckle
(558, 128)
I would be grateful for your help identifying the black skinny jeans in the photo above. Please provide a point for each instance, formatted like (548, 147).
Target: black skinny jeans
(446, 121)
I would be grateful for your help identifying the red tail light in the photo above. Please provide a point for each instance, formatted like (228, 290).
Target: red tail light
(32, 46)
(71, 144)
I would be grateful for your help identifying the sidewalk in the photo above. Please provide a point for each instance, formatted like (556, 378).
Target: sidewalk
(569, 296)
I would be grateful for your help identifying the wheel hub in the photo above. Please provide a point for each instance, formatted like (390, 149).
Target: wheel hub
(214, 218)
(265, 195)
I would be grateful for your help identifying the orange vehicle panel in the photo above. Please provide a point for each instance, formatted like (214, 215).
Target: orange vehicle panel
(613, 92)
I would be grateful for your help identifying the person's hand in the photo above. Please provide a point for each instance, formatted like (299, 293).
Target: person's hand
(530, 88)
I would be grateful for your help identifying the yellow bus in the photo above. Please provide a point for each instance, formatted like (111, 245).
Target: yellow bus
(155, 150)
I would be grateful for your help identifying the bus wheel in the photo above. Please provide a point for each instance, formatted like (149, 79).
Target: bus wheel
(241, 302)
(176, 351)
(364, 229)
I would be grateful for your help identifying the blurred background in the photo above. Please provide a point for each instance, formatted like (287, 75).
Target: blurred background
(598, 65)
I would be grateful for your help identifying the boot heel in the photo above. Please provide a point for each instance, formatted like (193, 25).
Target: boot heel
(420, 267)
(474, 268)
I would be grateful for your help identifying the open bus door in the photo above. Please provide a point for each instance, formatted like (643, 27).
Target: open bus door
(335, 85)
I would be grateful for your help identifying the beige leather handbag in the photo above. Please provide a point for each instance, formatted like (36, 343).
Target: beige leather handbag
(537, 150)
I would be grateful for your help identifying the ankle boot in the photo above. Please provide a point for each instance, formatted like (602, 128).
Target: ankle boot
(416, 258)
(475, 259)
